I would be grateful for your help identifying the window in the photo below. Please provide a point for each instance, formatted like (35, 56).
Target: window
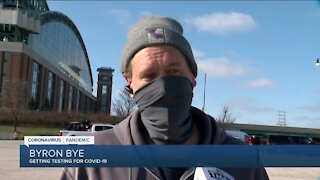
(85, 107)
(78, 99)
(61, 97)
(104, 89)
(104, 98)
(35, 83)
(3, 69)
(6, 27)
(61, 44)
(50, 88)
(70, 98)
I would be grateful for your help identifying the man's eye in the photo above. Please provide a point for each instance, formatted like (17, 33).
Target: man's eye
(149, 76)
(173, 71)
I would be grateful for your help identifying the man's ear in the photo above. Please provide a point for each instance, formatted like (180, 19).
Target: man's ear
(194, 83)
(128, 81)
(127, 78)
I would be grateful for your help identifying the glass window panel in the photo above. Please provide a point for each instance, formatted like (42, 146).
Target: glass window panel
(70, 98)
(78, 99)
(4, 68)
(104, 89)
(61, 97)
(50, 88)
(63, 45)
(35, 81)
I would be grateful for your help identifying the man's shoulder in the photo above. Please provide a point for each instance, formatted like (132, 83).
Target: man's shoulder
(200, 114)
(117, 135)
(217, 130)
(105, 137)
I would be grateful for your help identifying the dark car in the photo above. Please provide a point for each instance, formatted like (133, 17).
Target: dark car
(76, 126)
(253, 140)
(301, 140)
(279, 139)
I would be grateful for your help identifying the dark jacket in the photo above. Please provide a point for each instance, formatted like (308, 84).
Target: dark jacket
(130, 131)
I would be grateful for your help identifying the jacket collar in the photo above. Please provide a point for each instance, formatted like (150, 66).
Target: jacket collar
(131, 130)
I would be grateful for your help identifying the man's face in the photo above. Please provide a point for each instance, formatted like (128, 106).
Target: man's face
(152, 62)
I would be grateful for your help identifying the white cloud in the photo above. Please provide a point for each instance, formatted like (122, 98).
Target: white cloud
(122, 16)
(145, 13)
(223, 67)
(223, 23)
(315, 13)
(317, 92)
(306, 118)
(234, 54)
(247, 104)
(314, 108)
(307, 121)
(197, 53)
(260, 83)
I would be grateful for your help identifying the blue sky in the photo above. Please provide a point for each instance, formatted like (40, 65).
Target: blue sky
(259, 56)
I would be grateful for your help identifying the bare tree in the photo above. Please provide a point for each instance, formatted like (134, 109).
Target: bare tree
(226, 117)
(13, 100)
(124, 105)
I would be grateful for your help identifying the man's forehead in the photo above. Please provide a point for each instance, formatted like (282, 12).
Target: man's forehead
(168, 57)
(166, 48)
(171, 54)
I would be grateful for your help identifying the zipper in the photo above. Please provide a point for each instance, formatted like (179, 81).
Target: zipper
(155, 176)
(187, 174)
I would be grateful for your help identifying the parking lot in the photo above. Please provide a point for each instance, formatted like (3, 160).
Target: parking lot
(9, 168)
(9, 165)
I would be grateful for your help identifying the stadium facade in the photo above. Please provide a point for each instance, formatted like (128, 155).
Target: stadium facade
(43, 58)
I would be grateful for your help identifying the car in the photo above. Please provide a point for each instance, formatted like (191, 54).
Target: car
(238, 134)
(100, 127)
(301, 140)
(76, 126)
(253, 140)
(283, 139)
(94, 128)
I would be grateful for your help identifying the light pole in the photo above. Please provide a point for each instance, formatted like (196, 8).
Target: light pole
(318, 62)
(204, 90)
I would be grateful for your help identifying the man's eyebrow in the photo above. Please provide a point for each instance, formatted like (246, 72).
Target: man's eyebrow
(173, 64)
(146, 70)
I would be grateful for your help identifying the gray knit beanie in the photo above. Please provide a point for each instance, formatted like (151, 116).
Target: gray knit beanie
(152, 31)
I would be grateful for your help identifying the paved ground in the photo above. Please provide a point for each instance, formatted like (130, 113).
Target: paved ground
(9, 168)
(294, 173)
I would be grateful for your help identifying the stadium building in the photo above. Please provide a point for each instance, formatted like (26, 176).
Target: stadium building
(44, 63)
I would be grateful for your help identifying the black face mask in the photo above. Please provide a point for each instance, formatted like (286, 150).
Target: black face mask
(165, 106)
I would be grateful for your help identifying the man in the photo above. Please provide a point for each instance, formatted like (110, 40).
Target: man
(160, 70)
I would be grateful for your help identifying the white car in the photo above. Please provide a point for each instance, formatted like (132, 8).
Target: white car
(94, 128)
(238, 134)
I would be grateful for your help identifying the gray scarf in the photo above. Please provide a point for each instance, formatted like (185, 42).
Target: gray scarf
(165, 107)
